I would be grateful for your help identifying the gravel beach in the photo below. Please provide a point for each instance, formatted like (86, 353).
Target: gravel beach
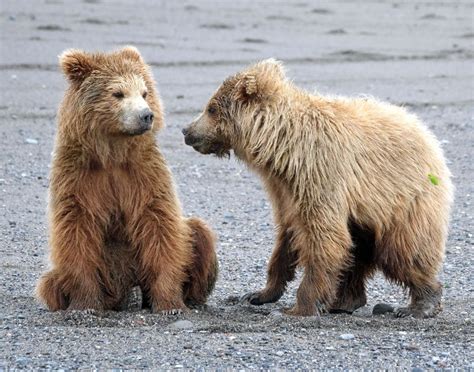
(416, 54)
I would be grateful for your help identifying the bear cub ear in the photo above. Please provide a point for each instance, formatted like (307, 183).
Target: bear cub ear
(250, 84)
(76, 64)
(261, 80)
(131, 53)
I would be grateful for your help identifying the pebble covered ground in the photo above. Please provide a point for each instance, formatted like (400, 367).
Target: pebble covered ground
(417, 54)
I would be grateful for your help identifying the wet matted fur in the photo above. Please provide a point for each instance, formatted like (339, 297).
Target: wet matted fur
(356, 185)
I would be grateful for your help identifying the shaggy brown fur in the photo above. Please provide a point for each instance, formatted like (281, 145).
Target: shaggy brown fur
(115, 220)
(356, 185)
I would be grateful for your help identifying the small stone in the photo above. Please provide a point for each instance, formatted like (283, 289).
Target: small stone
(381, 309)
(280, 353)
(347, 336)
(232, 300)
(276, 314)
(181, 324)
(31, 141)
(410, 346)
(22, 360)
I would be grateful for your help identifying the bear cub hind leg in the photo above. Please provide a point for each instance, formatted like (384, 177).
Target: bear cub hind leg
(202, 273)
(351, 293)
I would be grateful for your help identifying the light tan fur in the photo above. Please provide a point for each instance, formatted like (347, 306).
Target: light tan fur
(115, 220)
(351, 181)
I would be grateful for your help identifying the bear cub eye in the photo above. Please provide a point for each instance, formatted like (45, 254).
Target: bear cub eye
(144, 95)
(211, 110)
(118, 95)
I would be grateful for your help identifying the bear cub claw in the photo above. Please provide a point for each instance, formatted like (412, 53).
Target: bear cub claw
(252, 298)
(169, 310)
(172, 312)
(403, 312)
(258, 298)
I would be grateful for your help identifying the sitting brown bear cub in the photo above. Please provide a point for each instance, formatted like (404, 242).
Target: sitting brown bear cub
(356, 185)
(115, 220)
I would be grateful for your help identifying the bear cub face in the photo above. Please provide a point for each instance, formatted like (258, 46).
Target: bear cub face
(117, 87)
(230, 113)
(130, 106)
(211, 132)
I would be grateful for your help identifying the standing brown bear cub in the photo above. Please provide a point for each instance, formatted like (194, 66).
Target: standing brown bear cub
(115, 220)
(356, 185)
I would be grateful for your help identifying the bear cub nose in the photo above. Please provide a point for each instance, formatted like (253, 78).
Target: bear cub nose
(146, 117)
(189, 138)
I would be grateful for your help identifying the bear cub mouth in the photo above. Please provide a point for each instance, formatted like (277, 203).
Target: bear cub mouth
(204, 147)
(137, 131)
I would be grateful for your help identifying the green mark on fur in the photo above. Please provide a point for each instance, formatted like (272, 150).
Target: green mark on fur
(434, 180)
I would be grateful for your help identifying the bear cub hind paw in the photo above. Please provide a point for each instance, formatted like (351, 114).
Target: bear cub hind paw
(403, 312)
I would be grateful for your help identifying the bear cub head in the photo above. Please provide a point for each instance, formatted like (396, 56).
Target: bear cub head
(234, 110)
(111, 93)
